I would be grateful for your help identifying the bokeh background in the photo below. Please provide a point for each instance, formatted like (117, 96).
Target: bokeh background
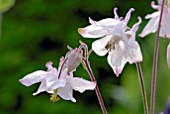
(37, 31)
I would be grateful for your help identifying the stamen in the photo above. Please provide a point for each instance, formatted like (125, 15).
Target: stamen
(54, 97)
(112, 42)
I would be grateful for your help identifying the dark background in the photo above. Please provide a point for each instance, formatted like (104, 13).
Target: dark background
(37, 31)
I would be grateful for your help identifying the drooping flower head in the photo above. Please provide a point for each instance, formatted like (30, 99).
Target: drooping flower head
(152, 25)
(116, 39)
(60, 82)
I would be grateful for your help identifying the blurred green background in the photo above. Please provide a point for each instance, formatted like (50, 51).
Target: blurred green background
(37, 31)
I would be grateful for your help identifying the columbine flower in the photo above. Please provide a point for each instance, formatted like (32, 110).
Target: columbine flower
(168, 55)
(52, 83)
(116, 40)
(152, 25)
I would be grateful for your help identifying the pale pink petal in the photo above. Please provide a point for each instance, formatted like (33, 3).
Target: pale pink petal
(80, 84)
(92, 31)
(115, 13)
(155, 14)
(33, 78)
(108, 22)
(118, 69)
(151, 27)
(66, 92)
(74, 59)
(115, 56)
(168, 55)
(154, 6)
(43, 87)
(165, 31)
(91, 21)
(99, 46)
(134, 54)
(128, 15)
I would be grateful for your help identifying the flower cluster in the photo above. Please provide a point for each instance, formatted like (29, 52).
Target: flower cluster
(60, 82)
(116, 39)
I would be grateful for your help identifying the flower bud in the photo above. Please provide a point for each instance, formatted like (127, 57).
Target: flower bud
(74, 59)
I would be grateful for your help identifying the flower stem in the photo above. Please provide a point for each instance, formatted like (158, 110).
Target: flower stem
(142, 84)
(86, 63)
(155, 60)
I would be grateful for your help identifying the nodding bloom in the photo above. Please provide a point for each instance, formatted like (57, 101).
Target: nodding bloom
(152, 25)
(116, 39)
(60, 82)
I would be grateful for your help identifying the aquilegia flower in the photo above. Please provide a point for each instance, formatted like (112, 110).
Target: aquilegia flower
(59, 82)
(116, 39)
(152, 25)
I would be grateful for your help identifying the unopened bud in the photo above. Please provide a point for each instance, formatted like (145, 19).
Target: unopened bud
(74, 59)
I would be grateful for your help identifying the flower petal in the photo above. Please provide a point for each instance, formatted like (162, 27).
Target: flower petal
(151, 27)
(134, 53)
(33, 78)
(165, 31)
(92, 31)
(118, 69)
(99, 46)
(66, 92)
(80, 84)
(43, 87)
(115, 56)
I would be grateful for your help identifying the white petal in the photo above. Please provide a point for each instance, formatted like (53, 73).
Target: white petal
(92, 31)
(80, 84)
(57, 84)
(108, 22)
(117, 59)
(43, 87)
(155, 14)
(33, 78)
(165, 31)
(151, 27)
(115, 56)
(118, 69)
(98, 46)
(134, 54)
(66, 92)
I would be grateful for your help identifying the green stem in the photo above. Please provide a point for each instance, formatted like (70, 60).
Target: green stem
(155, 60)
(142, 85)
(86, 63)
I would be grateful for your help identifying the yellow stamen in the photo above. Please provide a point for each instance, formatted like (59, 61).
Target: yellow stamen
(54, 97)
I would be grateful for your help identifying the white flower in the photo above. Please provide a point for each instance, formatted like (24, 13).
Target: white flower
(116, 39)
(62, 86)
(152, 25)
